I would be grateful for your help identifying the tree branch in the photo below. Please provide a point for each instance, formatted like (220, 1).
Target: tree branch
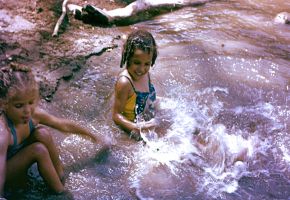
(59, 21)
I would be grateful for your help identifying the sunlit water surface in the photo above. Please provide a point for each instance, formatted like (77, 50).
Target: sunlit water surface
(223, 68)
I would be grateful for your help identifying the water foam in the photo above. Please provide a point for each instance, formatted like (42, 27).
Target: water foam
(217, 155)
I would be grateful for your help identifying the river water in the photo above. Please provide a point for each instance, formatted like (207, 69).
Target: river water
(223, 68)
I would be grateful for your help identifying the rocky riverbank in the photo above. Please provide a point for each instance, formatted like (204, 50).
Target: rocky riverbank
(26, 37)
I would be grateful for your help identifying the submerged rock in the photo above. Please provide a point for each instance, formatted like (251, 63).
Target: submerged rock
(282, 18)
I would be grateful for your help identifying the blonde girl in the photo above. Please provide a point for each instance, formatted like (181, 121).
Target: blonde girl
(23, 141)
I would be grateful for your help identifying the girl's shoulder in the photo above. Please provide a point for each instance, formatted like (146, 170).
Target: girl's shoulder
(124, 79)
(2, 120)
(124, 83)
(4, 131)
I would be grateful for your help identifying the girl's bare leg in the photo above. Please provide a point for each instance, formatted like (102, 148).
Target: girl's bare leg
(37, 152)
(43, 136)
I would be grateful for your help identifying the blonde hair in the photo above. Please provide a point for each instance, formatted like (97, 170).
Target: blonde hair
(15, 77)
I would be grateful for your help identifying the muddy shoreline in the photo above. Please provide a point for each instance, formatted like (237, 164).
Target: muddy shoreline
(26, 38)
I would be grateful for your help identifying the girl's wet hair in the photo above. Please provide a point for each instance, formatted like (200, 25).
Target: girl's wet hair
(139, 39)
(16, 77)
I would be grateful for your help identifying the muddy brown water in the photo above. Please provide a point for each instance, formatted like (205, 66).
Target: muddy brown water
(223, 67)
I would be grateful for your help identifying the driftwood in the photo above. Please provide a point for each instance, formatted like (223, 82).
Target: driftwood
(59, 21)
(136, 11)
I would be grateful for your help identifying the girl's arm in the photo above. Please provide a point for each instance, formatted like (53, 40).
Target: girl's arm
(61, 124)
(122, 90)
(4, 141)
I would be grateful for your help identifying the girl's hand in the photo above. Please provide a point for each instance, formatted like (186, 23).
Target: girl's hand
(143, 127)
(149, 125)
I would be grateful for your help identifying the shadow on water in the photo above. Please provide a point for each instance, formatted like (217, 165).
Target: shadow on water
(99, 158)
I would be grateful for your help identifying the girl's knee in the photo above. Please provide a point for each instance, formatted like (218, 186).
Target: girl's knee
(39, 150)
(43, 135)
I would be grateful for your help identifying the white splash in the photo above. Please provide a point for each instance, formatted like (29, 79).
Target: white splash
(217, 152)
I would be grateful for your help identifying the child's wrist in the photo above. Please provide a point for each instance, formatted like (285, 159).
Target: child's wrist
(140, 126)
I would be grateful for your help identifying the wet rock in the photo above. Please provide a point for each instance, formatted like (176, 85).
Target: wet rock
(12, 52)
(282, 18)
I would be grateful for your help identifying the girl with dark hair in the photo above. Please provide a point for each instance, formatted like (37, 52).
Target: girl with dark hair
(134, 92)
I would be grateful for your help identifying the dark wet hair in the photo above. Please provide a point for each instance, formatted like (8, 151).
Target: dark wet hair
(139, 39)
(16, 77)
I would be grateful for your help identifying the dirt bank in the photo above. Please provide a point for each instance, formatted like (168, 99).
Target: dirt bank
(26, 37)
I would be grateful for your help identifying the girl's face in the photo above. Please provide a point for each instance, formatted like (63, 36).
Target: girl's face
(20, 107)
(139, 64)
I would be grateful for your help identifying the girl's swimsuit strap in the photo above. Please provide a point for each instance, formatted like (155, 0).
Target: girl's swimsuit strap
(12, 128)
(13, 131)
(31, 126)
(130, 82)
(149, 81)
